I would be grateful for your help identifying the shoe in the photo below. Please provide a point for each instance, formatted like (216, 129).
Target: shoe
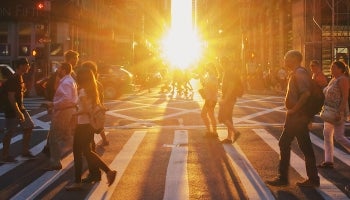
(111, 177)
(52, 168)
(91, 179)
(227, 141)
(46, 151)
(308, 183)
(74, 187)
(278, 181)
(326, 165)
(9, 159)
(28, 155)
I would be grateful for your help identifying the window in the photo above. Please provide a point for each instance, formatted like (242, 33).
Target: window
(4, 46)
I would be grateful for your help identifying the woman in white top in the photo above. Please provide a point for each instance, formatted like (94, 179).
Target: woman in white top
(84, 132)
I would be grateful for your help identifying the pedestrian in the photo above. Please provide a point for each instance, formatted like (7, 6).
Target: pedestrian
(336, 97)
(71, 57)
(317, 73)
(94, 172)
(64, 106)
(230, 85)
(84, 132)
(296, 124)
(16, 113)
(210, 90)
(282, 78)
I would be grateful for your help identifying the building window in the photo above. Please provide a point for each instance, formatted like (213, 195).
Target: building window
(4, 45)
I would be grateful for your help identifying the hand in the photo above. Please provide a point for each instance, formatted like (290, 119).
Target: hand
(20, 116)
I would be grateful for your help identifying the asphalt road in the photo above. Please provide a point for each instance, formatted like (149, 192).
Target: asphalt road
(157, 147)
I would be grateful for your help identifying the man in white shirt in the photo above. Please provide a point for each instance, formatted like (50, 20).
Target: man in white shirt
(64, 105)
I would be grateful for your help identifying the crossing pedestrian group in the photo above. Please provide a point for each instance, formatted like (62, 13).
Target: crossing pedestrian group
(74, 91)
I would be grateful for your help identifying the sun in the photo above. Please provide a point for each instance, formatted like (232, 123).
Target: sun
(182, 46)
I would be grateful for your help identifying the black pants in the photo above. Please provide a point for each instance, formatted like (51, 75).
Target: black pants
(296, 126)
(83, 135)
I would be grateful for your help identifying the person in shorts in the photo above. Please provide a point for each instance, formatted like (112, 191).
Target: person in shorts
(15, 112)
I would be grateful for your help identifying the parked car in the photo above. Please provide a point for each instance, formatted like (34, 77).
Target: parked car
(5, 72)
(116, 80)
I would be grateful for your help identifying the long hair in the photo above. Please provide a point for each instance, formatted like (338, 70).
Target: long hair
(86, 80)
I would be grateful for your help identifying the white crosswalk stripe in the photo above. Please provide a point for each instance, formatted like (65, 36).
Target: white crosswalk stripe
(176, 180)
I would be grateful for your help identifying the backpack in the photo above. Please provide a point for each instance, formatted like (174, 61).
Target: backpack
(97, 116)
(316, 99)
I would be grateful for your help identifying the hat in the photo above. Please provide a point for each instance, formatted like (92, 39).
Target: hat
(22, 61)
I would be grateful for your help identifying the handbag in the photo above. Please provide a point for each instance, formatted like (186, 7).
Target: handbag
(329, 114)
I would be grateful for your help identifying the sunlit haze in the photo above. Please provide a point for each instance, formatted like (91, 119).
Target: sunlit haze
(181, 46)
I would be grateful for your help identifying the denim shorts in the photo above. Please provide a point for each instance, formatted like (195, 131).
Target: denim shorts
(13, 122)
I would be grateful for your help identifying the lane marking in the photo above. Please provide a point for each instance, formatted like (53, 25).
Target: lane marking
(120, 163)
(176, 183)
(253, 184)
(327, 189)
(34, 189)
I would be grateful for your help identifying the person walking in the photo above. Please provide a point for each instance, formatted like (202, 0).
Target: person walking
(94, 171)
(84, 132)
(336, 96)
(16, 113)
(230, 85)
(317, 73)
(64, 105)
(296, 124)
(210, 89)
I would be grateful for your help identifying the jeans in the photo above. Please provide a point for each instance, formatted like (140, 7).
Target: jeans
(296, 126)
(83, 136)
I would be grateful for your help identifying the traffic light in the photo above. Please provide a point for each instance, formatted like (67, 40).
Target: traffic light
(43, 5)
(38, 53)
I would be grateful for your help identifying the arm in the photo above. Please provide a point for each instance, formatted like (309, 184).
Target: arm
(301, 101)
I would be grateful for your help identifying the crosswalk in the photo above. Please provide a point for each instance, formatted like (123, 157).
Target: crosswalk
(31, 103)
(180, 153)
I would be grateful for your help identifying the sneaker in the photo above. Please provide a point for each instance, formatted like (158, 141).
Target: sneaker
(278, 181)
(9, 159)
(326, 165)
(91, 179)
(308, 183)
(111, 177)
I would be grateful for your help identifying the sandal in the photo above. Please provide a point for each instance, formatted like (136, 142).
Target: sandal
(326, 165)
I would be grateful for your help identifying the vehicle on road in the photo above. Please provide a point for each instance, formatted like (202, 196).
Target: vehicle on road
(116, 80)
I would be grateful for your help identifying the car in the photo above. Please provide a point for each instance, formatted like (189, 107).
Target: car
(5, 72)
(116, 80)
